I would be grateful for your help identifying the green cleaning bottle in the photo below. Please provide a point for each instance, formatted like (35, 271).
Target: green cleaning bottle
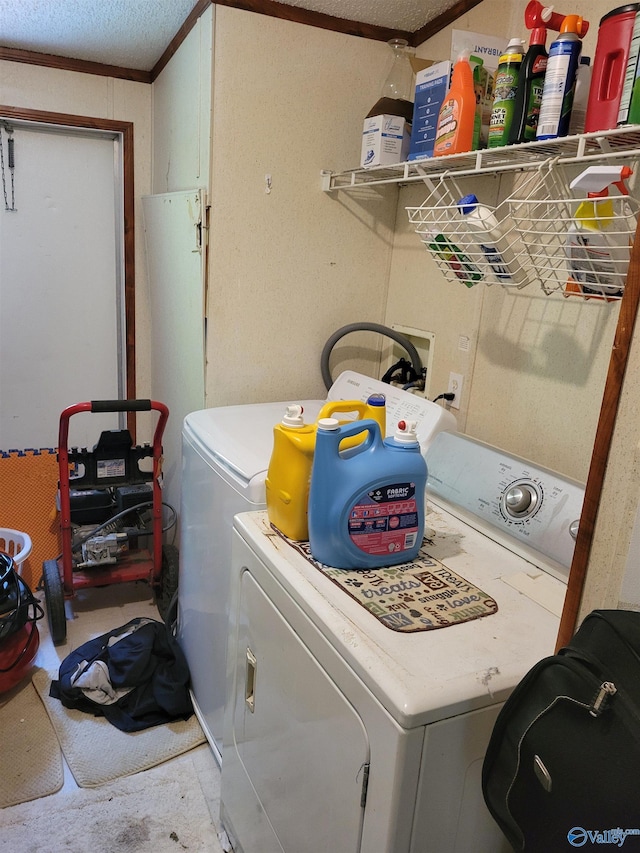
(505, 88)
(526, 108)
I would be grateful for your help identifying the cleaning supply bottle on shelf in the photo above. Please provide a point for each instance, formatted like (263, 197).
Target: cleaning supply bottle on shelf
(614, 64)
(580, 97)
(480, 82)
(366, 504)
(526, 106)
(454, 258)
(493, 243)
(539, 19)
(457, 117)
(504, 88)
(287, 481)
(598, 241)
(560, 78)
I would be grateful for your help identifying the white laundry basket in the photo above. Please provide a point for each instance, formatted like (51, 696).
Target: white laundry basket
(16, 544)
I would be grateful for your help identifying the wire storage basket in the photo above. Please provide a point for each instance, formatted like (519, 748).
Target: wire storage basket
(578, 246)
(469, 249)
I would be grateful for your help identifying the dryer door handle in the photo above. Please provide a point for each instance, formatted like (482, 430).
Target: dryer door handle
(250, 681)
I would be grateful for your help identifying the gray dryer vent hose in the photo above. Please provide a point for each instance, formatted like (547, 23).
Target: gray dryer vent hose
(412, 352)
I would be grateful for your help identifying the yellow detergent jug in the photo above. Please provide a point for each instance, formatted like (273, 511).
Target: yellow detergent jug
(289, 472)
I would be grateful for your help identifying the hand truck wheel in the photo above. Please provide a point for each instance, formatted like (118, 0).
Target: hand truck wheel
(54, 598)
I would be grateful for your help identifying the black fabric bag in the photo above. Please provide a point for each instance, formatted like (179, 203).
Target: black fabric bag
(562, 768)
(140, 660)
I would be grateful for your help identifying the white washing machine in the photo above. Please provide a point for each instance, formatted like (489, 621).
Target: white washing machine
(225, 456)
(342, 734)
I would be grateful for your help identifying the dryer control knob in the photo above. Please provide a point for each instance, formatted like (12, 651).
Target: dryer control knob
(520, 500)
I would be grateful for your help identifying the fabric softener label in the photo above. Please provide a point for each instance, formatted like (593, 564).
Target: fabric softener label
(385, 520)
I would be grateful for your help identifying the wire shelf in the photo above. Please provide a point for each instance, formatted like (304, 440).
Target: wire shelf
(605, 146)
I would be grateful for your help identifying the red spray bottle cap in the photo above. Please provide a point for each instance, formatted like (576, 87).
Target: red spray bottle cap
(537, 15)
(538, 36)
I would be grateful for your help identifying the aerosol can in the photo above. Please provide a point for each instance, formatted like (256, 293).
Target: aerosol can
(560, 78)
(505, 88)
(526, 112)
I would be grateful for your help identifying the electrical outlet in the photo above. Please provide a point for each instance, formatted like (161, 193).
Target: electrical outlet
(455, 387)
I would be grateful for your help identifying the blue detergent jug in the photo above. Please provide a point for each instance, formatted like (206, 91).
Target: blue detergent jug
(366, 502)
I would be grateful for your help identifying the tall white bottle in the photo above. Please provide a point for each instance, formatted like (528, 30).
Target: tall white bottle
(580, 97)
(494, 246)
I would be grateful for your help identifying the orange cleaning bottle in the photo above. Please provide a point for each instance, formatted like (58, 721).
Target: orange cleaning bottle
(454, 132)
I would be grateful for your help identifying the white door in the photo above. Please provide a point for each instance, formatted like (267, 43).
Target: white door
(174, 232)
(60, 288)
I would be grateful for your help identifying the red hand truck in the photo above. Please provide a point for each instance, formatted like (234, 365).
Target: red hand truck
(111, 515)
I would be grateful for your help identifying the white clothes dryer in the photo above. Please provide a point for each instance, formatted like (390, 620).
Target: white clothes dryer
(225, 457)
(342, 734)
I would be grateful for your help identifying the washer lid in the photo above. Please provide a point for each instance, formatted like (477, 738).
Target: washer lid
(240, 438)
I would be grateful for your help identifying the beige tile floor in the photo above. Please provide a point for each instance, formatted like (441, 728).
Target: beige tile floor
(94, 612)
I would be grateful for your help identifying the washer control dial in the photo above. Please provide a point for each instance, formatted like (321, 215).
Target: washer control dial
(521, 500)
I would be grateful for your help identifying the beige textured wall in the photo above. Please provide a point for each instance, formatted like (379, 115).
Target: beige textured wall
(613, 574)
(182, 113)
(535, 365)
(291, 266)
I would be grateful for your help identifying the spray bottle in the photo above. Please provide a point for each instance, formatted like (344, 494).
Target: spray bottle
(597, 246)
(505, 86)
(526, 108)
(559, 81)
(457, 116)
(526, 111)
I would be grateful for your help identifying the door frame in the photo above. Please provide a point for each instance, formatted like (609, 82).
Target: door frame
(124, 130)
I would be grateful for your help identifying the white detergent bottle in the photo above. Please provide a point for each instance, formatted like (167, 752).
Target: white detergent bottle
(493, 244)
(598, 240)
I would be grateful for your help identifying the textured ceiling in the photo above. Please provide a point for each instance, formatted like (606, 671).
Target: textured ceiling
(127, 33)
(135, 33)
(409, 15)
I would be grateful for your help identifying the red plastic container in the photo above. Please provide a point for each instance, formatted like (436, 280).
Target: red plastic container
(16, 655)
(614, 52)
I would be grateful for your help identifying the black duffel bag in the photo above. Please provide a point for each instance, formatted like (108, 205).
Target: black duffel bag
(136, 676)
(562, 769)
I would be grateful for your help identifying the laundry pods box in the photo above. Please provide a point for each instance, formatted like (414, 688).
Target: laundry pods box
(385, 140)
(432, 84)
